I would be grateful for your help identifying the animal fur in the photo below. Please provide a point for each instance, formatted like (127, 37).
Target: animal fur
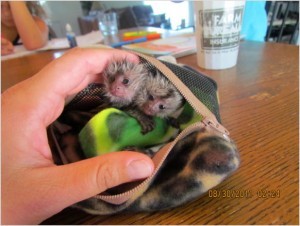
(123, 80)
(159, 98)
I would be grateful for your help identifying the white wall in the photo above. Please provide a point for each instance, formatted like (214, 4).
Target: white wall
(62, 12)
(175, 11)
(120, 4)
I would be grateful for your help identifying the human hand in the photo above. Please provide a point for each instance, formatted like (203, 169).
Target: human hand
(33, 187)
(6, 46)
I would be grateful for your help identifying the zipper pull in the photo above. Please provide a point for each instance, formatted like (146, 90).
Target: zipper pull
(216, 126)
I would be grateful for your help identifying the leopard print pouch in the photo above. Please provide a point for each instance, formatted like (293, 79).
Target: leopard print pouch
(199, 157)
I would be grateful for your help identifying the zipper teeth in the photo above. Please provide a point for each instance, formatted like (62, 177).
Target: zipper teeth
(180, 90)
(197, 105)
(184, 133)
(166, 71)
(207, 119)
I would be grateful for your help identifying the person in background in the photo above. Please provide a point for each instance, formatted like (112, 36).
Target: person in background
(22, 22)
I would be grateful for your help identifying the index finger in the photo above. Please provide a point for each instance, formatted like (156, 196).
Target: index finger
(4, 41)
(71, 73)
(79, 67)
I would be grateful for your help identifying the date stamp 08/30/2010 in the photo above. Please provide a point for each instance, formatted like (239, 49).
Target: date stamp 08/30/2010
(230, 193)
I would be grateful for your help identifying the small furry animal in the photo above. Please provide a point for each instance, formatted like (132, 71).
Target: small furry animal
(122, 81)
(160, 98)
(140, 93)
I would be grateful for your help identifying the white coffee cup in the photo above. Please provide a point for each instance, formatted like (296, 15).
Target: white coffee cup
(218, 25)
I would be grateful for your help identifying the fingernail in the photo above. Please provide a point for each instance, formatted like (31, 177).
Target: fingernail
(139, 169)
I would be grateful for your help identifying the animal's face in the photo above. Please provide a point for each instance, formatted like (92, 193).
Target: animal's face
(159, 97)
(160, 106)
(123, 80)
(121, 86)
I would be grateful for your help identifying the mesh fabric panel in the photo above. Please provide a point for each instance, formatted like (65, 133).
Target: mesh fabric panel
(204, 88)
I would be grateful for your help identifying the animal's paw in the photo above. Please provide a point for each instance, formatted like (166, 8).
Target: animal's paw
(147, 126)
(174, 123)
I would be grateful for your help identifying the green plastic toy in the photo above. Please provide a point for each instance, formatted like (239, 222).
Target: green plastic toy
(113, 130)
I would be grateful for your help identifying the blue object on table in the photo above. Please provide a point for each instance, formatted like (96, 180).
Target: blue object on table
(119, 44)
(255, 22)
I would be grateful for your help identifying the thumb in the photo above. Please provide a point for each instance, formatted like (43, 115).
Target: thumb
(81, 180)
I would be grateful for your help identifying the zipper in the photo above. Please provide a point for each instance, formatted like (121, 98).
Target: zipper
(198, 106)
(209, 120)
(213, 125)
(158, 160)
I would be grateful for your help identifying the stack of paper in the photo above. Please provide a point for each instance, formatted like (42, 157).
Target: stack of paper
(174, 46)
(58, 43)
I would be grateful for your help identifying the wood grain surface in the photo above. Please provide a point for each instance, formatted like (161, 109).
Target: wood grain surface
(259, 104)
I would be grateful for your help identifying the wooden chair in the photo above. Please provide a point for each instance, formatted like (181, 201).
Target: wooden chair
(52, 33)
(126, 17)
(143, 14)
(284, 21)
(88, 24)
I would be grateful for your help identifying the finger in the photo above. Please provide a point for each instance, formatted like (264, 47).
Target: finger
(4, 41)
(79, 67)
(6, 51)
(6, 47)
(78, 181)
(10, 46)
(47, 90)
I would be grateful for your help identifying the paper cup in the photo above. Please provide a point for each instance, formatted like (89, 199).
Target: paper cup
(218, 25)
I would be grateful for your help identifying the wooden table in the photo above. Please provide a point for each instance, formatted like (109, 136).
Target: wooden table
(259, 105)
(17, 69)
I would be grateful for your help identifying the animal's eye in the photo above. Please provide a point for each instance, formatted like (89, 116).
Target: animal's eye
(125, 81)
(161, 107)
(150, 97)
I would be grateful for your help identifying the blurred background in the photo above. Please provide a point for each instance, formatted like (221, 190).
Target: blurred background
(274, 21)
